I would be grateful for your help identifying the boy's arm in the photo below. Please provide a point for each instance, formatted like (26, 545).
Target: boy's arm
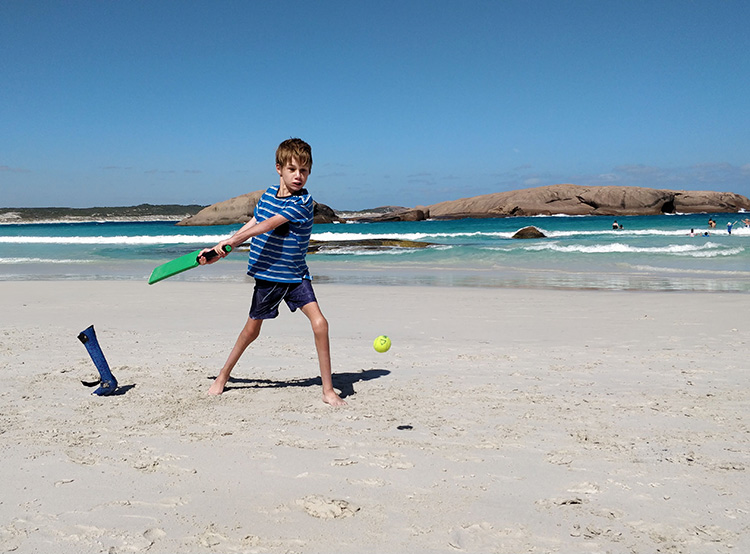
(250, 229)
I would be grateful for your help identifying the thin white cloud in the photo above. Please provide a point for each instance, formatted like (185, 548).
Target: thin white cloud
(331, 175)
(14, 169)
(724, 177)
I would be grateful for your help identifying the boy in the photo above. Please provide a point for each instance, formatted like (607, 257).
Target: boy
(281, 228)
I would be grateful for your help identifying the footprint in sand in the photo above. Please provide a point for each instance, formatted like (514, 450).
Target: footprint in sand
(325, 508)
(10, 539)
(560, 457)
(481, 537)
(367, 482)
(585, 488)
(209, 539)
(154, 534)
(343, 462)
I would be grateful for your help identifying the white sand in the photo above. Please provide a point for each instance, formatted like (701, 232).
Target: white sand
(501, 421)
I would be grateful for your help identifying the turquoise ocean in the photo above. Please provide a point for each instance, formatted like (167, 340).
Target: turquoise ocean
(650, 253)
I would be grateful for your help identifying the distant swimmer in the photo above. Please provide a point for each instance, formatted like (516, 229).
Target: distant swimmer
(729, 227)
(692, 232)
(615, 225)
(746, 222)
(711, 223)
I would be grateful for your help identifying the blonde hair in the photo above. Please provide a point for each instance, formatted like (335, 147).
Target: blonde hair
(294, 148)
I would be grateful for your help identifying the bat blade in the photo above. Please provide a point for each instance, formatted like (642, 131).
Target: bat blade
(178, 265)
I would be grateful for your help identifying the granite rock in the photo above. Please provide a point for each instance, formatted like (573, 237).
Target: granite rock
(581, 200)
(240, 210)
(529, 233)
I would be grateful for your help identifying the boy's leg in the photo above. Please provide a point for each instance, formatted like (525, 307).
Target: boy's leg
(320, 330)
(249, 333)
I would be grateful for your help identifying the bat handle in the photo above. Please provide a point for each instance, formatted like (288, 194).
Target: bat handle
(211, 254)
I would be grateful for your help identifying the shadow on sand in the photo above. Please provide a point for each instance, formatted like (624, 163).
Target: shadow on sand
(343, 381)
(119, 391)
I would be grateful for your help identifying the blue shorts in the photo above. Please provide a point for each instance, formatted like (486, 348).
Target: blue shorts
(268, 295)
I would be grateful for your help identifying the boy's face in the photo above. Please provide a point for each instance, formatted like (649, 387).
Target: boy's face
(293, 177)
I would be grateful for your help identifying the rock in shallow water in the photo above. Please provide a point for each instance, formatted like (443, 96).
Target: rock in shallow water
(529, 233)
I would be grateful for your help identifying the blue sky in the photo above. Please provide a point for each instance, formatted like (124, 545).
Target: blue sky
(404, 102)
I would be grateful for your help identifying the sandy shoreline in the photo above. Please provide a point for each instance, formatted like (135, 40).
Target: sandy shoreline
(502, 420)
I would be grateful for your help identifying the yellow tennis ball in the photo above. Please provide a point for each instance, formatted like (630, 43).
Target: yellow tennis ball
(382, 343)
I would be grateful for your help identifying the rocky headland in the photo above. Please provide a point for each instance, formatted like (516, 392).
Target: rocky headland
(563, 199)
(142, 212)
(240, 210)
(580, 200)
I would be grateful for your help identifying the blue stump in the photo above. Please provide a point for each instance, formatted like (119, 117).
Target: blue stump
(108, 383)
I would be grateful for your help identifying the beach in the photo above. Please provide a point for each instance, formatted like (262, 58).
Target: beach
(502, 420)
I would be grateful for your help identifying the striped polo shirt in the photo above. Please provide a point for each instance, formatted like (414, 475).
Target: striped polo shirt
(279, 255)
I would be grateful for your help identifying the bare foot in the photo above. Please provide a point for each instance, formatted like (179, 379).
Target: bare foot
(217, 387)
(333, 399)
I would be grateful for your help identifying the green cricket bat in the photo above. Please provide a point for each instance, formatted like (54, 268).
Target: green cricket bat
(183, 263)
